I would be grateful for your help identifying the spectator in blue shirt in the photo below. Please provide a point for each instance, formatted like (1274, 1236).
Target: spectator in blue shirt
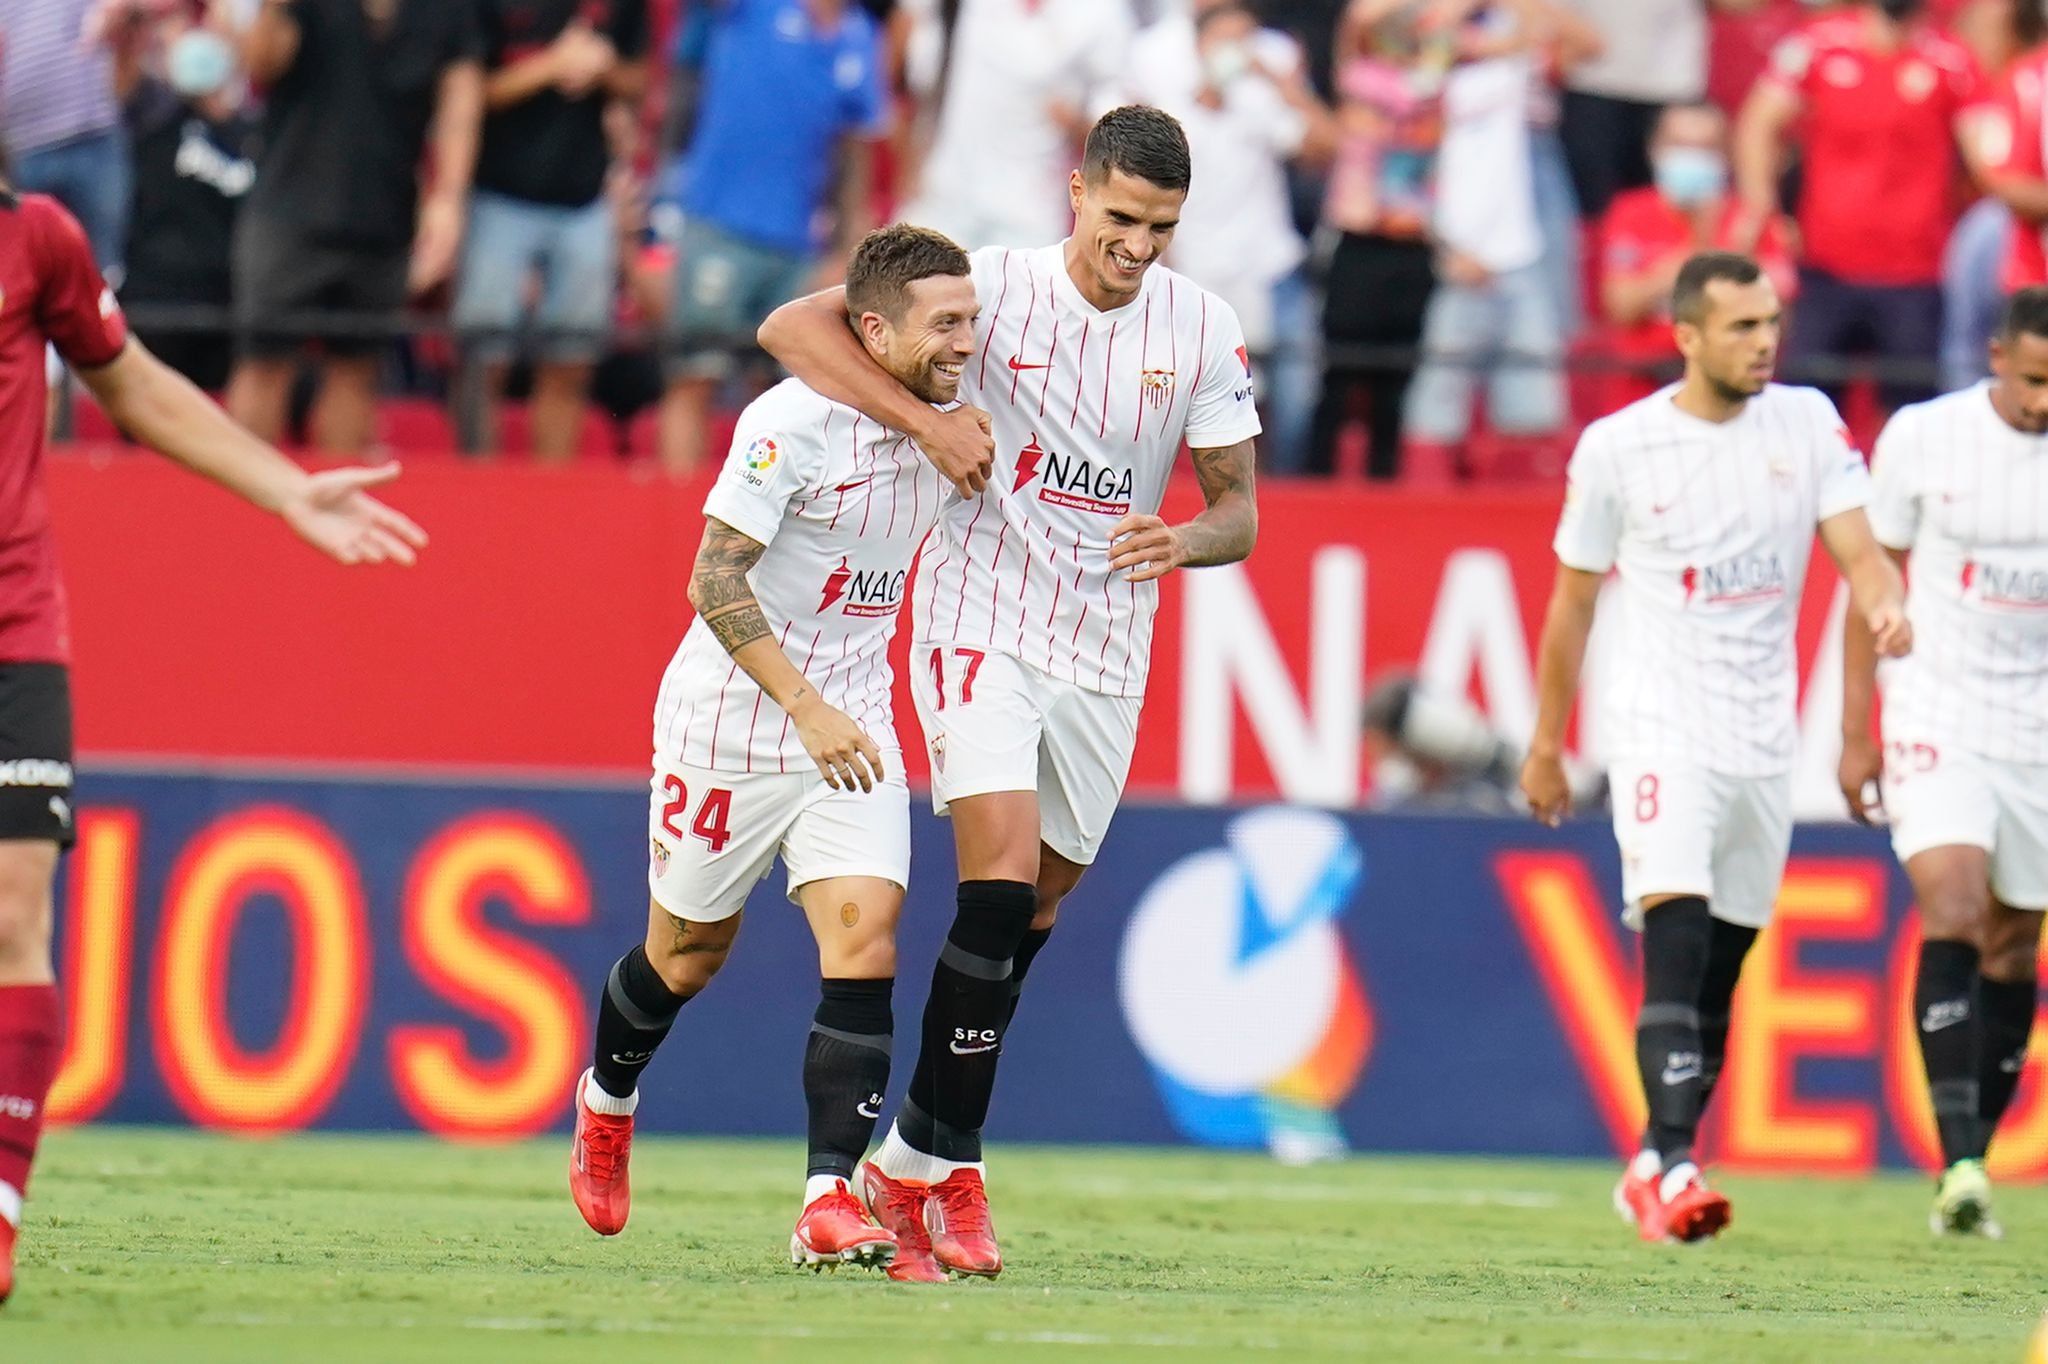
(789, 105)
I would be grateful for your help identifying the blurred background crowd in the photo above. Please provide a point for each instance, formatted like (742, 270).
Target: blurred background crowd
(548, 228)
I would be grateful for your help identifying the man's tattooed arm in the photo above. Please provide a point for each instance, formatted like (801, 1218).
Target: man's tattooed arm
(725, 599)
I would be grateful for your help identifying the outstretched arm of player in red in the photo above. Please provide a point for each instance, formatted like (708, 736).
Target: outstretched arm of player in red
(724, 598)
(1567, 625)
(1862, 763)
(1876, 591)
(330, 510)
(813, 339)
(1144, 547)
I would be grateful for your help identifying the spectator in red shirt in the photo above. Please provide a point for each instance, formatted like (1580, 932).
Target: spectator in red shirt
(2011, 152)
(1648, 233)
(1879, 98)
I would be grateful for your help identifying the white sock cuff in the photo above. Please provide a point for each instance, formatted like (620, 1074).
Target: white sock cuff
(1676, 1178)
(10, 1205)
(599, 1101)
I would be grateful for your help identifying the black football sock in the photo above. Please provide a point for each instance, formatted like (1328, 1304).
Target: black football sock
(846, 1071)
(1027, 952)
(634, 1012)
(964, 1019)
(1676, 938)
(2008, 1009)
(1951, 1043)
(1727, 945)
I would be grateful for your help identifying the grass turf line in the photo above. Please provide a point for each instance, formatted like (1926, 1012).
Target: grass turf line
(175, 1246)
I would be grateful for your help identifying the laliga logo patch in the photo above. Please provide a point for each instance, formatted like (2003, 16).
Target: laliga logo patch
(1240, 991)
(758, 460)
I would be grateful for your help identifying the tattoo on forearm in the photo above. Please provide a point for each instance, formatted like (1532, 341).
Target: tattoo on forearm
(719, 588)
(1227, 530)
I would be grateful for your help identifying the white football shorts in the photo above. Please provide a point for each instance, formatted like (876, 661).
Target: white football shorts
(713, 835)
(1687, 831)
(993, 723)
(1939, 795)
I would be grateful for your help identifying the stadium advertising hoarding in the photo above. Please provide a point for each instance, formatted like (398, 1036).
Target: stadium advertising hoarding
(270, 954)
(534, 633)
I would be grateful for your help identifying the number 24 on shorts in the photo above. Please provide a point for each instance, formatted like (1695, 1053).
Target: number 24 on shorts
(714, 813)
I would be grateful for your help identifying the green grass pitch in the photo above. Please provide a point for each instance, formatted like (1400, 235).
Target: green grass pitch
(150, 1247)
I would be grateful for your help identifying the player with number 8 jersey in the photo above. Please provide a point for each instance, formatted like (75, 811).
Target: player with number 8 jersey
(1704, 498)
(774, 737)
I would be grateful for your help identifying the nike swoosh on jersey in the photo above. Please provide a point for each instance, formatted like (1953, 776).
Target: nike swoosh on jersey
(1018, 364)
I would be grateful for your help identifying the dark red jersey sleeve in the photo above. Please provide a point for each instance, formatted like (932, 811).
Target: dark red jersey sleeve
(75, 308)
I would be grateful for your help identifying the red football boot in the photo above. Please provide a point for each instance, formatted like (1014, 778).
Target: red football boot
(835, 1230)
(1696, 1212)
(7, 1239)
(1636, 1200)
(963, 1238)
(899, 1206)
(597, 1166)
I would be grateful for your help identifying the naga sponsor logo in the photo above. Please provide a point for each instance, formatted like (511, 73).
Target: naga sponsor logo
(871, 592)
(17, 1106)
(1071, 481)
(2019, 589)
(1732, 582)
(35, 772)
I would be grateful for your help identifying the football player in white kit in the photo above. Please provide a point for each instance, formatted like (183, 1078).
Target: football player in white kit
(1704, 498)
(773, 736)
(1961, 483)
(1034, 603)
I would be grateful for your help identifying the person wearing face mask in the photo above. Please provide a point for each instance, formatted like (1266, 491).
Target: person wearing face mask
(194, 142)
(1649, 233)
(1879, 99)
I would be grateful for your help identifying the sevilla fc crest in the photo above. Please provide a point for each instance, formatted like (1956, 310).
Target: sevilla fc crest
(1156, 385)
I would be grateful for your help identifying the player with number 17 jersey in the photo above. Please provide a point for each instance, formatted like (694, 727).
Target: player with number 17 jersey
(1090, 408)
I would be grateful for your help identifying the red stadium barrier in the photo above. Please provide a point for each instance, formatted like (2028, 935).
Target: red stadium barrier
(534, 632)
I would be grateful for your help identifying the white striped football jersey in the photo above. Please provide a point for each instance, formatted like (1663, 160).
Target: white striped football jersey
(1968, 495)
(1709, 526)
(1090, 409)
(842, 503)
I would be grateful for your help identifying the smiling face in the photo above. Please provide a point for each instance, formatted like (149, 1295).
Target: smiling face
(1122, 224)
(927, 346)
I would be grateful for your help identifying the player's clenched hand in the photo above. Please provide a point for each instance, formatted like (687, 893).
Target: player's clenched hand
(1144, 547)
(845, 755)
(1891, 630)
(1545, 788)
(332, 513)
(961, 445)
(1861, 772)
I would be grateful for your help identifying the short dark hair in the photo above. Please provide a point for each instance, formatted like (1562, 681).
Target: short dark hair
(1141, 141)
(2026, 314)
(891, 259)
(1689, 294)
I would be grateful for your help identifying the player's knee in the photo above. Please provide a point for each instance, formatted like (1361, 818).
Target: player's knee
(1951, 910)
(871, 958)
(25, 874)
(2010, 947)
(687, 954)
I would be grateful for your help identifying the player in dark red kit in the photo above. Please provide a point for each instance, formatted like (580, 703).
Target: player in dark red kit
(51, 294)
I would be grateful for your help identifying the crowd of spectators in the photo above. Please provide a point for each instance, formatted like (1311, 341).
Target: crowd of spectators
(1449, 226)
